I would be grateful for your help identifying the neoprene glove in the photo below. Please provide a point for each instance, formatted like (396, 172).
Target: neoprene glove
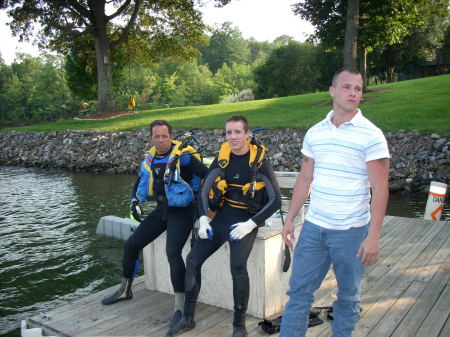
(135, 211)
(205, 231)
(241, 229)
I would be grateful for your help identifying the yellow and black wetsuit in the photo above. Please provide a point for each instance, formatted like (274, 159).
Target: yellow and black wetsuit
(236, 173)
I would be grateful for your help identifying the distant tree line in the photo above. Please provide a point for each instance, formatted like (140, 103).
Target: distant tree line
(47, 88)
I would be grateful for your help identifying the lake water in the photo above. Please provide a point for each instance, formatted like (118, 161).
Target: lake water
(50, 254)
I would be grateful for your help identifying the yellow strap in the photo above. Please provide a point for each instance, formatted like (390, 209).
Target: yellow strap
(259, 185)
(225, 151)
(236, 204)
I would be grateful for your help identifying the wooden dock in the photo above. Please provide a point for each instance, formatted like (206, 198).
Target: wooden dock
(406, 294)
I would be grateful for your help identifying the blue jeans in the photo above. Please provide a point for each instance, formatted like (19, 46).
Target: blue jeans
(316, 249)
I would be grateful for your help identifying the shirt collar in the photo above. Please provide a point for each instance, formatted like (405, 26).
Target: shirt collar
(357, 119)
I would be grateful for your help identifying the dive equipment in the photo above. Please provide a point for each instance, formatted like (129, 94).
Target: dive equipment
(251, 196)
(135, 211)
(241, 229)
(205, 231)
(179, 193)
(176, 316)
(124, 289)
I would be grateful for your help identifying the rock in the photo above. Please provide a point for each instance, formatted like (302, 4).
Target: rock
(395, 187)
(415, 159)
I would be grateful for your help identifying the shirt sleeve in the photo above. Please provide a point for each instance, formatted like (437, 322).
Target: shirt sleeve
(377, 147)
(306, 149)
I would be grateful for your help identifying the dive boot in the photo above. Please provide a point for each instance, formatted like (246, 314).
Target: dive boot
(187, 320)
(239, 331)
(184, 324)
(176, 316)
(123, 293)
(241, 291)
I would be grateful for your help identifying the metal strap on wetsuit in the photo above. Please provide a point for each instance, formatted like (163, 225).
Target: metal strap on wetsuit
(254, 166)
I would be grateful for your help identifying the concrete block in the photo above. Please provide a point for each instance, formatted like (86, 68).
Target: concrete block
(268, 283)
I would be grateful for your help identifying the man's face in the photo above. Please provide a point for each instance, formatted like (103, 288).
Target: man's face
(161, 138)
(347, 92)
(237, 137)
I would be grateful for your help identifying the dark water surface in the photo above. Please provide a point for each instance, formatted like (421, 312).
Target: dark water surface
(49, 252)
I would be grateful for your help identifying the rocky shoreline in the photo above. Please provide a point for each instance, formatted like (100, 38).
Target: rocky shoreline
(416, 159)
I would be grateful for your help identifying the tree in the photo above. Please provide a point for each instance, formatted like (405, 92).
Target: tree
(380, 22)
(34, 90)
(226, 45)
(282, 40)
(161, 28)
(289, 70)
(258, 51)
(420, 48)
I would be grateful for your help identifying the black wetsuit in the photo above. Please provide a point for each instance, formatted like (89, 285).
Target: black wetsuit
(178, 221)
(237, 172)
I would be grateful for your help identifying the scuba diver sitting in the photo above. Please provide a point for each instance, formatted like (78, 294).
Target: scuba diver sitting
(242, 189)
(170, 175)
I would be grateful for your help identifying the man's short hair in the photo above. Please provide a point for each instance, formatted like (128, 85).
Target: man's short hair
(160, 122)
(351, 70)
(238, 119)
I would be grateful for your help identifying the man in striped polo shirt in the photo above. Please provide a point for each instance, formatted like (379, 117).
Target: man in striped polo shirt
(345, 170)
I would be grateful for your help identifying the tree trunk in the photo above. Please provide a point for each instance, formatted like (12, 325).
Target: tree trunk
(104, 76)
(363, 66)
(351, 34)
(103, 55)
(391, 72)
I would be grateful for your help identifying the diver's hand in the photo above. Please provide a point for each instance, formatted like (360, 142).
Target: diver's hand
(135, 211)
(205, 231)
(241, 229)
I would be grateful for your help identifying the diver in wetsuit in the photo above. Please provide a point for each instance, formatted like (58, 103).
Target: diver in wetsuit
(241, 187)
(170, 175)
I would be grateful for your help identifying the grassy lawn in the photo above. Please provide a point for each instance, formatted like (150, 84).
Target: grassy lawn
(422, 104)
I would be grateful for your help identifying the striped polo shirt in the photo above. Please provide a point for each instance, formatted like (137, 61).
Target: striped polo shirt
(340, 192)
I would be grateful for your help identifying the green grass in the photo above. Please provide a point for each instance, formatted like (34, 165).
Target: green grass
(422, 104)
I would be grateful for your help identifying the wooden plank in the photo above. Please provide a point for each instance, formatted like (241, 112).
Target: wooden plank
(420, 309)
(206, 317)
(91, 322)
(445, 332)
(414, 292)
(150, 320)
(138, 284)
(86, 305)
(157, 325)
(437, 317)
(391, 286)
(225, 327)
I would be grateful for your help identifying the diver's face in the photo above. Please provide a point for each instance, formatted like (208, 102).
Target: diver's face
(237, 136)
(161, 138)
